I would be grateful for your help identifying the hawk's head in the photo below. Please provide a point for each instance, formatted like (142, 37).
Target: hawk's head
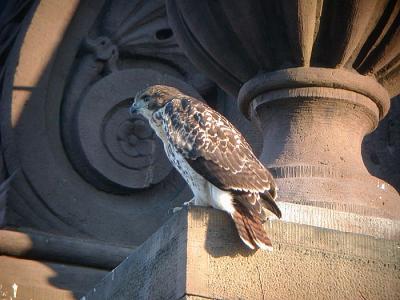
(153, 98)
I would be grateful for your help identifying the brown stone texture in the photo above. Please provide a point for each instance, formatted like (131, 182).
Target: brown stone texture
(234, 41)
(197, 254)
(85, 168)
(75, 156)
(91, 183)
(42, 280)
(314, 77)
(317, 76)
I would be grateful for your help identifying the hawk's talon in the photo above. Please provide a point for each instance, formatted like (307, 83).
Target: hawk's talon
(190, 202)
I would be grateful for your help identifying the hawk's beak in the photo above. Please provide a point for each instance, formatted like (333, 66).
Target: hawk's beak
(136, 106)
(133, 110)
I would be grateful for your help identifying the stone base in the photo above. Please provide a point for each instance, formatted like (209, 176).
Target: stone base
(197, 254)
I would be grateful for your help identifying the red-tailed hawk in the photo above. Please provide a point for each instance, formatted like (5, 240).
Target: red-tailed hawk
(214, 159)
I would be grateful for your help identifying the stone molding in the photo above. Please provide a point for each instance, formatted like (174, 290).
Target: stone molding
(296, 78)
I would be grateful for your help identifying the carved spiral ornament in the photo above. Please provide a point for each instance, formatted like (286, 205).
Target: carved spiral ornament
(113, 151)
(86, 167)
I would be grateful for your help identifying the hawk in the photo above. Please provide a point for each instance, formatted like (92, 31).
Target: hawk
(214, 159)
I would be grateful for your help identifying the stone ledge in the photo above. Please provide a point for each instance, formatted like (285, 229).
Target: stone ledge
(43, 280)
(337, 218)
(197, 254)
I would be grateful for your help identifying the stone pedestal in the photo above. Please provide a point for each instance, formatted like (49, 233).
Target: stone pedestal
(313, 122)
(198, 255)
(317, 76)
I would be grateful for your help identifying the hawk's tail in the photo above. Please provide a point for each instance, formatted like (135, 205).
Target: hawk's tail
(250, 229)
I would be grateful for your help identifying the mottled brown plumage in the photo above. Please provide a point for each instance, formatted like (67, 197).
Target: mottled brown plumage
(208, 150)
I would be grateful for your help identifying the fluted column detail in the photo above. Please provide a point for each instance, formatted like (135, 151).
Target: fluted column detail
(316, 75)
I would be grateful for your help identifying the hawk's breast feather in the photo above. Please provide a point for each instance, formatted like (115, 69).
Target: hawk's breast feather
(214, 148)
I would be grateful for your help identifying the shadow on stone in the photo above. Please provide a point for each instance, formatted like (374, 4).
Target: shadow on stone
(221, 237)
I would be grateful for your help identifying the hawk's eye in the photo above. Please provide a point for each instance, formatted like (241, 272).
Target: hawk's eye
(146, 98)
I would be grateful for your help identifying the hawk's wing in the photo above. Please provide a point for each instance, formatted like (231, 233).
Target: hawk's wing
(215, 149)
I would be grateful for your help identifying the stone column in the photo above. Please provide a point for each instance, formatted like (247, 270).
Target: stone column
(313, 122)
(317, 76)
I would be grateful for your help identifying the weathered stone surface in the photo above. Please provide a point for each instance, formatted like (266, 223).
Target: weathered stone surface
(48, 75)
(154, 271)
(339, 219)
(86, 169)
(43, 280)
(316, 76)
(234, 41)
(315, 153)
(69, 47)
(197, 254)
